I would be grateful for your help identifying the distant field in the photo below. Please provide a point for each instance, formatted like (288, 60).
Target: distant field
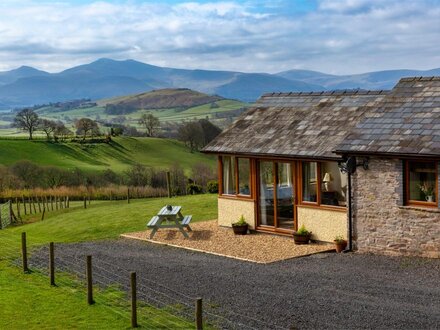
(117, 156)
(170, 115)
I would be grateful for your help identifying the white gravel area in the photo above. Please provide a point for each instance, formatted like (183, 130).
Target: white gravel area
(208, 237)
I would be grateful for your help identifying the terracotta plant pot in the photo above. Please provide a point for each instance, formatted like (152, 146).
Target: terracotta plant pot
(301, 239)
(241, 229)
(340, 246)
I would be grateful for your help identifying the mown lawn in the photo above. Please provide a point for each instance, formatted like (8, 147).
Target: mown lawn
(28, 302)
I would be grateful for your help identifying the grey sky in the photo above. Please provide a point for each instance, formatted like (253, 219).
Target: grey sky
(347, 36)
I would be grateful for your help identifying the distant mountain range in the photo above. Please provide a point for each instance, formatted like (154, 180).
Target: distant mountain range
(106, 78)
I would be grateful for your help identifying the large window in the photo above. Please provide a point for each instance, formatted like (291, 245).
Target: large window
(333, 185)
(323, 184)
(229, 181)
(421, 180)
(235, 176)
(310, 182)
(244, 176)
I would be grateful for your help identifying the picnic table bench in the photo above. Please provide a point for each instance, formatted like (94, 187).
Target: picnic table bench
(170, 217)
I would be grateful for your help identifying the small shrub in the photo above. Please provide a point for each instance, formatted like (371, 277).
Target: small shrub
(212, 187)
(339, 239)
(240, 222)
(193, 189)
(303, 231)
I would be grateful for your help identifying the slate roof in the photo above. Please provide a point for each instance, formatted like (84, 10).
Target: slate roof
(298, 125)
(406, 122)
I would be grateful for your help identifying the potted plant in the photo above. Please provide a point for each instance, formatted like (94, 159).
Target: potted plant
(340, 243)
(428, 190)
(240, 227)
(302, 235)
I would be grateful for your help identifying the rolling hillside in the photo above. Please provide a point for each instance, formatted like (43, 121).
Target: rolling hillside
(117, 156)
(169, 105)
(164, 99)
(107, 78)
(370, 80)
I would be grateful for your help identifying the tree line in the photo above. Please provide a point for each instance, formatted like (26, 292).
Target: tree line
(27, 175)
(195, 134)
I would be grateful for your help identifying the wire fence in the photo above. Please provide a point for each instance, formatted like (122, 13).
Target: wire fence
(156, 300)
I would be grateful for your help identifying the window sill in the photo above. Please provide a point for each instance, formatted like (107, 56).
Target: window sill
(324, 207)
(431, 209)
(237, 197)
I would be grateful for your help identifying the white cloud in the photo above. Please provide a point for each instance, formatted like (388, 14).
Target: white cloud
(338, 37)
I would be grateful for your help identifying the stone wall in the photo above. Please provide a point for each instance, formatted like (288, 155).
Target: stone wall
(230, 210)
(381, 223)
(325, 225)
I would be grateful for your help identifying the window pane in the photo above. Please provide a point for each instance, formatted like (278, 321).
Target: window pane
(334, 185)
(228, 175)
(309, 181)
(243, 176)
(284, 196)
(266, 194)
(422, 181)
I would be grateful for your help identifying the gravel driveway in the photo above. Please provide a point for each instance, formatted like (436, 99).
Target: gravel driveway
(332, 291)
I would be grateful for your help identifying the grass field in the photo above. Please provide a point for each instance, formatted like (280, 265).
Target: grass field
(118, 155)
(169, 115)
(28, 302)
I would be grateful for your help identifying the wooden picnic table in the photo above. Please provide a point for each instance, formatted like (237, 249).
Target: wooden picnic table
(170, 217)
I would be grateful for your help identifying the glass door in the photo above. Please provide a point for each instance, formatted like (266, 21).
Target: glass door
(267, 196)
(276, 195)
(284, 194)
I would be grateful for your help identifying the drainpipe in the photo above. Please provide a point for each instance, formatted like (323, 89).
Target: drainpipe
(350, 217)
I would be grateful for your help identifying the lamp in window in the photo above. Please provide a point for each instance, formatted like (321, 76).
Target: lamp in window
(327, 179)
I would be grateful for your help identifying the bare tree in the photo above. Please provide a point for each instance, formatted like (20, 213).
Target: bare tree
(150, 122)
(198, 133)
(26, 120)
(61, 131)
(47, 126)
(191, 134)
(86, 126)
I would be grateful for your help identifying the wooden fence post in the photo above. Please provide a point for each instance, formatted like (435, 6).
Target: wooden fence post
(33, 203)
(30, 205)
(89, 281)
(51, 262)
(128, 195)
(169, 184)
(133, 300)
(24, 253)
(24, 204)
(44, 212)
(85, 202)
(17, 204)
(68, 202)
(199, 314)
(39, 205)
(11, 212)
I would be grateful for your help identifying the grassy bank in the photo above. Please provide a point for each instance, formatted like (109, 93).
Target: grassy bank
(27, 301)
(119, 155)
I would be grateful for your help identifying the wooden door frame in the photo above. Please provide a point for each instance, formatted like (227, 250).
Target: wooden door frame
(275, 228)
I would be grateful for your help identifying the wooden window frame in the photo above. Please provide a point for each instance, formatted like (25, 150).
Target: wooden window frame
(410, 202)
(317, 204)
(237, 194)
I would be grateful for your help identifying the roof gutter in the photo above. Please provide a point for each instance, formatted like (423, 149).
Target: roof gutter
(386, 154)
(272, 156)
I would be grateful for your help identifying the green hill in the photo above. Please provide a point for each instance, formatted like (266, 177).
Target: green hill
(164, 99)
(169, 105)
(118, 156)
